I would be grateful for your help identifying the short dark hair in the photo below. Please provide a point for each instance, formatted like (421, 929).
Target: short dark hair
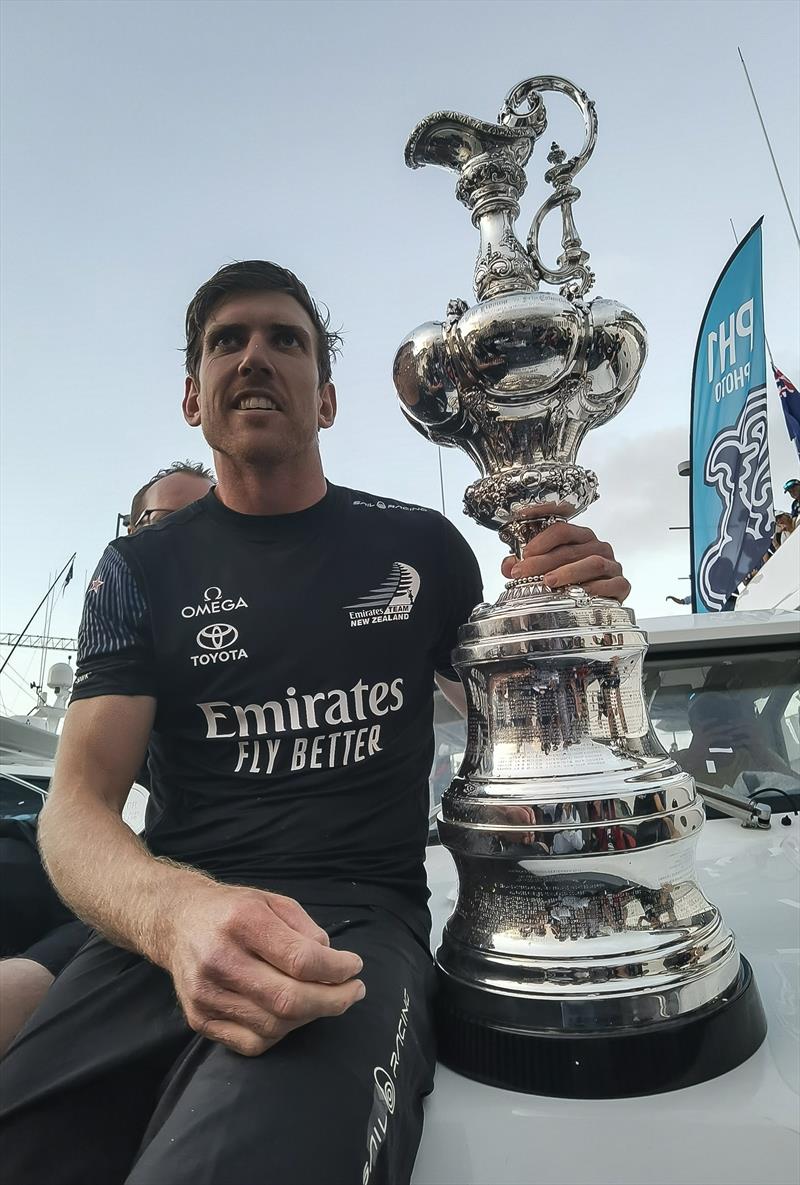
(257, 275)
(193, 468)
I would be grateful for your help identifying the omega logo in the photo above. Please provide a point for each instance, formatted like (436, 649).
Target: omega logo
(214, 602)
(217, 637)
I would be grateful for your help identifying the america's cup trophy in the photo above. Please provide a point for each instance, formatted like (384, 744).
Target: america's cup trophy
(581, 958)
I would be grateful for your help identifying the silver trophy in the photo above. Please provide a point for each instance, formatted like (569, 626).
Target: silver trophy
(581, 958)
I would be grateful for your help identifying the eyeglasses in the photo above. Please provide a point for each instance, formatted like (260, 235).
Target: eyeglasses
(148, 517)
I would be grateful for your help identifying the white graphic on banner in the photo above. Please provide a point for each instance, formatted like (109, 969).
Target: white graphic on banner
(737, 466)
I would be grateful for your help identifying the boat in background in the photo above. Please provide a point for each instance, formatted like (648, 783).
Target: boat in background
(776, 585)
(35, 737)
(28, 747)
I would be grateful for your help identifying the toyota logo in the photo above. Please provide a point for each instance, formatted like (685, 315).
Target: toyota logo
(217, 637)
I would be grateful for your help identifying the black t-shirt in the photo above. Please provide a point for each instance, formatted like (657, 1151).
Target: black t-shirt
(292, 660)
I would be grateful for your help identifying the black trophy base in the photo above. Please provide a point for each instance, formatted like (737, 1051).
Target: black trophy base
(619, 1063)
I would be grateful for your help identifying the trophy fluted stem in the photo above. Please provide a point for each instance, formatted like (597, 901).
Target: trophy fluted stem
(518, 534)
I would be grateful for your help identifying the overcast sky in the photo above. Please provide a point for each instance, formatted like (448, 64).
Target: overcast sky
(147, 143)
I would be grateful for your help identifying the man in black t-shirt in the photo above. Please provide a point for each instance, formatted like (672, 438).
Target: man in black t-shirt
(280, 639)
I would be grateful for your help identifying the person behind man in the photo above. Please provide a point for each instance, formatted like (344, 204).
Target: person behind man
(180, 484)
(48, 934)
(279, 639)
(792, 488)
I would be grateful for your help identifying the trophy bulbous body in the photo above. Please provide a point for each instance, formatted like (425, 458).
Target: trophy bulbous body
(517, 381)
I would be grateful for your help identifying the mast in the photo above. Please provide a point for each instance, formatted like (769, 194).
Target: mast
(769, 146)
(36, 610)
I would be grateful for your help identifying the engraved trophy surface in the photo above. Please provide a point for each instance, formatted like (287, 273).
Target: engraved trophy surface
(581, 958)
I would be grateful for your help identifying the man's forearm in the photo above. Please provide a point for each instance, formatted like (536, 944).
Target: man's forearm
(105, 874)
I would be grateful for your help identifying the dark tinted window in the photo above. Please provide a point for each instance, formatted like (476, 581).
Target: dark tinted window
(733, 721)
(450, 738)
(22, 799)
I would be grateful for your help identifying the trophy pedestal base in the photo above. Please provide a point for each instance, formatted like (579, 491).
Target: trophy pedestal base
(645, 1059)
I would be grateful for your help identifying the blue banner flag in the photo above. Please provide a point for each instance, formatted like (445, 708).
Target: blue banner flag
(731, 492)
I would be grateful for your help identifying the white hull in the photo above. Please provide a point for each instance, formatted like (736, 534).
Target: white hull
(735, 1130)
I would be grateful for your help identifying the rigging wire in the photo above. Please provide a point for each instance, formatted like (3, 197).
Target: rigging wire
(70, 561)
(769, 146)
(441, 479)
(21, 683)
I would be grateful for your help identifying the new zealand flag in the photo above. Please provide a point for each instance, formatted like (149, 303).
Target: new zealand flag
(790, 402)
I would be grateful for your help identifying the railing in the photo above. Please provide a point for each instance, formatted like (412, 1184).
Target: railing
(39, 642)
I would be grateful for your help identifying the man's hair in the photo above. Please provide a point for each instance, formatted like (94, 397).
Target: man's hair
(256, 275)
(193, 468)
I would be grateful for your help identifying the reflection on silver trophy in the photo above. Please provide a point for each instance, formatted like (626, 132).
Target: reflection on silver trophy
(572, 830)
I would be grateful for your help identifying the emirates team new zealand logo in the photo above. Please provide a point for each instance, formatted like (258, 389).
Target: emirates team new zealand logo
(392, 600)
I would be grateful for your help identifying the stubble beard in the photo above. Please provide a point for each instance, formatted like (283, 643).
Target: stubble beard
(268, 453)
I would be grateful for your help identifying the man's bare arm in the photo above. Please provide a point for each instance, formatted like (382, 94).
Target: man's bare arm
(248, 966)
(100, 868)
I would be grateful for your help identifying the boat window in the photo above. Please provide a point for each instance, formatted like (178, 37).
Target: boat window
(790, 727)
(21, 798)
(733, 722)
(450, 738)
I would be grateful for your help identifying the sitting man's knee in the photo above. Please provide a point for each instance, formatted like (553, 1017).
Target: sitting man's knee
(23, 986)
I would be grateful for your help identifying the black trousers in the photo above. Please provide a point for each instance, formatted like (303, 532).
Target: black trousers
(108, 1084)
(29, 905)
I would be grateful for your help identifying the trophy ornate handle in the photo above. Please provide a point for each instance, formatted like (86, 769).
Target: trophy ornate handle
(523, 104)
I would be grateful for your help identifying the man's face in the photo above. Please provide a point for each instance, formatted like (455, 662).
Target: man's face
(257, 395)
(794, 490)
(171, 493)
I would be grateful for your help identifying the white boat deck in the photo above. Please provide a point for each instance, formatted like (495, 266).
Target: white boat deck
(738, 1129)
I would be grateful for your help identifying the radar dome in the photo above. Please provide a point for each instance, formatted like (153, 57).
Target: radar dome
(60, 676)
